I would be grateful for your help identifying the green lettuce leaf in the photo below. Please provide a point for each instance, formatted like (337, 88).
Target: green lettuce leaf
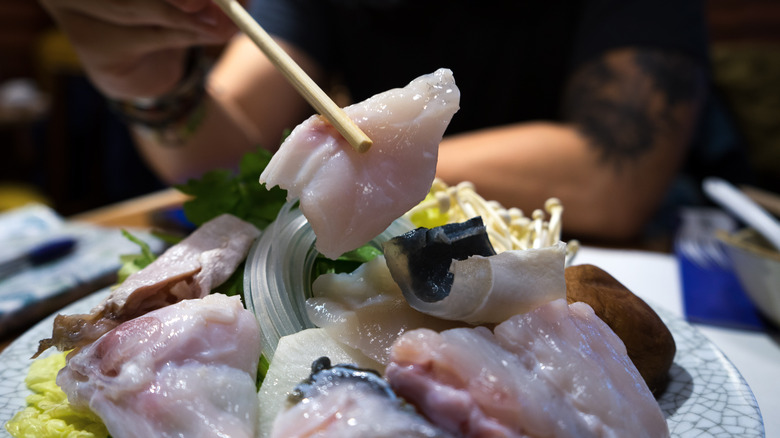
(131, 263)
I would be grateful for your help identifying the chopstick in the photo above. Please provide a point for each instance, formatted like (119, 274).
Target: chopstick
(295, 74)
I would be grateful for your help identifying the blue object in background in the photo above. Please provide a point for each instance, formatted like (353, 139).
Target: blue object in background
(51, 250)
(712, 293)
(40, 254)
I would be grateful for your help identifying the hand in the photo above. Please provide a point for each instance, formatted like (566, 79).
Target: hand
(137, 48)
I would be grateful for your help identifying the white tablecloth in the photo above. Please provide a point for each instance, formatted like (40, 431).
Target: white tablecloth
(655, 278)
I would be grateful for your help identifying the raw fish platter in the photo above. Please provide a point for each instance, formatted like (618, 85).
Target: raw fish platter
(356, 295)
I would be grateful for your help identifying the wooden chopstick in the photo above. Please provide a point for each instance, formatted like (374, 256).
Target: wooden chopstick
(295, 74)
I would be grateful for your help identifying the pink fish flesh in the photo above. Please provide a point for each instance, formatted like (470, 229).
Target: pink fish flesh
(189, 269)
(557, 371)
(187, 370)
(350, 197)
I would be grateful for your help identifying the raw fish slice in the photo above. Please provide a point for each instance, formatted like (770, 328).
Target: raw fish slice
(186, 370)
(557, 371)
(419, 260)
(366, 310)
(189, 269)
(350, 197)
(492, 289)
(343, 401)
(452, 272)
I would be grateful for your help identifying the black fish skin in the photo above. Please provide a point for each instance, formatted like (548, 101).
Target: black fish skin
(324, 375)
(419, 260)
(350, 390)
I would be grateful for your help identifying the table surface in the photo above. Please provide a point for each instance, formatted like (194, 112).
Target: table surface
(133, 213)
(653, 276)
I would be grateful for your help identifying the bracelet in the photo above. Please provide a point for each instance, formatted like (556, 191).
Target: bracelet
(174, 116)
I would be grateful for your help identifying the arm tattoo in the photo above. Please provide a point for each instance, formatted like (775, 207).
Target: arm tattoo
(624, 101)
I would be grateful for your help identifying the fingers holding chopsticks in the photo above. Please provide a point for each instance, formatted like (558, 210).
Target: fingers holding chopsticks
(197, 16)
(136, 48)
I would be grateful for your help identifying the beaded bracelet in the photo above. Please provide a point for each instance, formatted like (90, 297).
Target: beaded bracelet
(175, 116)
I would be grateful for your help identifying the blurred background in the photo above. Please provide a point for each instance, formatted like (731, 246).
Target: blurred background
(62, 147)
(60, 144)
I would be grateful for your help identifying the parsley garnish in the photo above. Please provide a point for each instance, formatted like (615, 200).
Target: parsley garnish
(238, 193)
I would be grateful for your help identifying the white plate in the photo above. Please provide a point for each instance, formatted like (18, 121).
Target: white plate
(707, 396)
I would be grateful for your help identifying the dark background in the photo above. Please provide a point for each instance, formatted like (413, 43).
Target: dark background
(69, 151)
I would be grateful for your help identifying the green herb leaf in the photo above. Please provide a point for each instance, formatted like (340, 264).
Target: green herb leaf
(262, 370)
(348, 262)
(238, 193)
(234, 285)
(132, 263)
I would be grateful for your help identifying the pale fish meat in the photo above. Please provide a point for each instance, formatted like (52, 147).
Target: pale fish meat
(350, 197)
(492, 289)
(189, 269)
(452, 272)
(343, 401)
(186, 370)
(366, 310)
(557, 371)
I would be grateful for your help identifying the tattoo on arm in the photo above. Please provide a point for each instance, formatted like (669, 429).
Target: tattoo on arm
(624, 102)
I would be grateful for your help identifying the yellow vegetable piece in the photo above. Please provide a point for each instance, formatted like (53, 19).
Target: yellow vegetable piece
(48, 413)
(430, 217)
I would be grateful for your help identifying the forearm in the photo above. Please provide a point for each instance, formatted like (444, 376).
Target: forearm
(629, 118)
(523, 165)
(248, 104)
(210, 138)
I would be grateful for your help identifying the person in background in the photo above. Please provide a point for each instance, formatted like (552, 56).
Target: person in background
(601, 103)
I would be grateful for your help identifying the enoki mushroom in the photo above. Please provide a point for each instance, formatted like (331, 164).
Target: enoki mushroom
(506, 228)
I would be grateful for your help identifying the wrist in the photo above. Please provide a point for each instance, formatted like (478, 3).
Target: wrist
(174, 116)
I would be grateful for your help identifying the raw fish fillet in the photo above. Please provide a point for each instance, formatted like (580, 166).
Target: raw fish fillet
(346, 402)
(557, 371)
(452, 272)
(492, 289)
(184, 370)
(189, 269)
(366, 310)
(350, 197)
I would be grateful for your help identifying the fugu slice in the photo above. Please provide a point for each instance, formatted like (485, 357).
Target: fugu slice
(189, 269)
(452, 272)
(557, 371)
(350, 197)
(188, 369)
(366, 310)
(343, 401)
(419, 260)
